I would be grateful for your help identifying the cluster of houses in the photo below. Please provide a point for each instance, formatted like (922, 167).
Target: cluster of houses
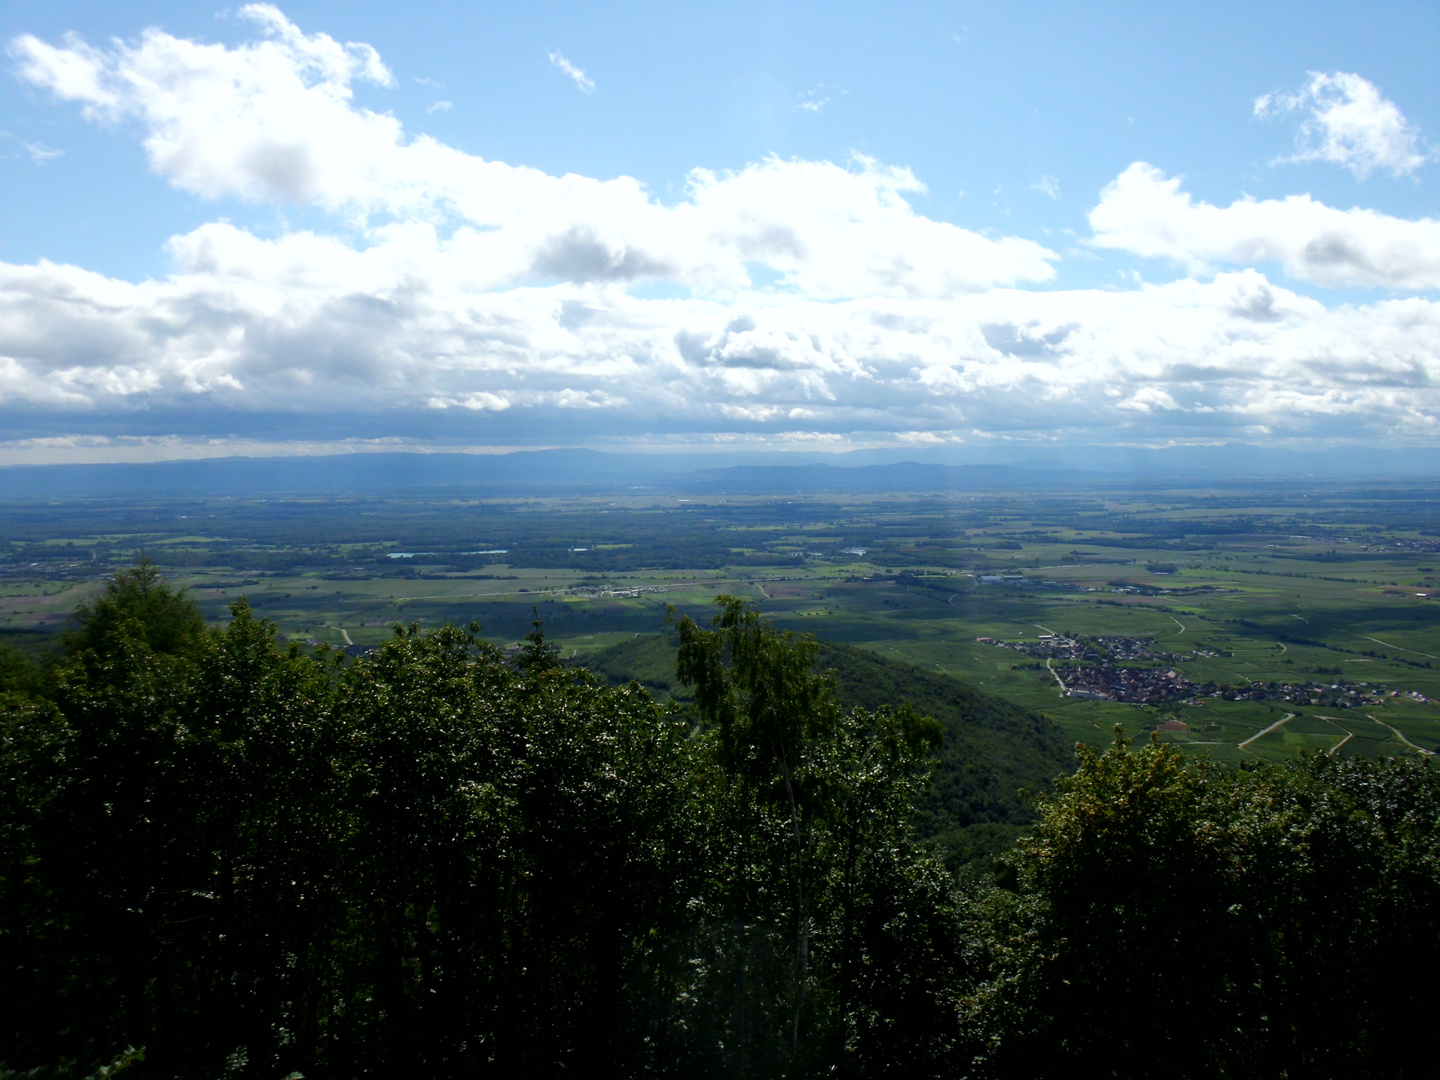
(1154, 686)
(1134, 685)
(605, 592)
(1096, 649)
(1330, 696)
(1089, 671)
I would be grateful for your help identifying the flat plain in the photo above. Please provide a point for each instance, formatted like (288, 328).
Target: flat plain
(1278, 618)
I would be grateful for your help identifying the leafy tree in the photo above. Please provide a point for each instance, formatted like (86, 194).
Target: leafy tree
(18, 673)
(249, 860)
(145, 605)
(537, 654)
(818, 803)
(1241, 922)
(992, 751)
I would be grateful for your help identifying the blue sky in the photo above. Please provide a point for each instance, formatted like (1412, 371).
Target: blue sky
(320, 227)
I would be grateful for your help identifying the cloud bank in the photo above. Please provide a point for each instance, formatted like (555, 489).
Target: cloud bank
(1144, 212)
(788, 298)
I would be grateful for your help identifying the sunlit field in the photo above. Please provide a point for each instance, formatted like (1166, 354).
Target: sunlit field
(1332, 593)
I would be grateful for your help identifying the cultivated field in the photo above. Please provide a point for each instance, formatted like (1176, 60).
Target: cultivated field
(1320, 608)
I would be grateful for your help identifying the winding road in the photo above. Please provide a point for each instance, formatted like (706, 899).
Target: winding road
(1398, 734)
(974, 584)
(1348, 734)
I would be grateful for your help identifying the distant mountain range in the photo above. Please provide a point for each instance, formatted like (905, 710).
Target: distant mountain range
(558, 472)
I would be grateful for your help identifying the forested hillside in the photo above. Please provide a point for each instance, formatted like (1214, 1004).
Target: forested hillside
(991, 754)
(226, 858)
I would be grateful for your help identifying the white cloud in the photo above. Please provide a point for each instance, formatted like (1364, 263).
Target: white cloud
(815, 99)
(304, 325)
(1048, 186)
(582, 83)
(271, 119)
(39, 153)
(1346, 121)
(1144, 212)
(928, 438)
(440, 106)
(499, 298)
(275, 120)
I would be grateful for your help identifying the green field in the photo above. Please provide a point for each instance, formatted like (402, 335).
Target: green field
(1319, 589)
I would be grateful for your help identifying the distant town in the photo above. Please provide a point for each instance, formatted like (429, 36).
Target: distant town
(1088, 670)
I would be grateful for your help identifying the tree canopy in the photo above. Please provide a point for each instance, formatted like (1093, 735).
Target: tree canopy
(224, 856)
(137, 603)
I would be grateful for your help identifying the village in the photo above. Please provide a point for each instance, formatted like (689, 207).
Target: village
(1089, 671)
(1050, 646)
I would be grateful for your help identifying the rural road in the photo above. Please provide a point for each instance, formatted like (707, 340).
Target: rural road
(1261, 734)
(1398, 735)
(1398, 648)
(1348, 734)
(1058, 680)
(974, 584)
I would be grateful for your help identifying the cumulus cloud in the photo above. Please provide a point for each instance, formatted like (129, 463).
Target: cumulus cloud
(582, 83)
(1347, 121)
(504, 300)
(274, 119)
(1145, 212)
(270, 119)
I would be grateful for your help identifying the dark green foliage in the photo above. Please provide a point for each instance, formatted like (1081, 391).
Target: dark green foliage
(136, 603)
(254, 862)
(218, 857)
(1173, 917)
(419, 862)
(18, 673)
(537, 654)
(842, 931)
(991, 752)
